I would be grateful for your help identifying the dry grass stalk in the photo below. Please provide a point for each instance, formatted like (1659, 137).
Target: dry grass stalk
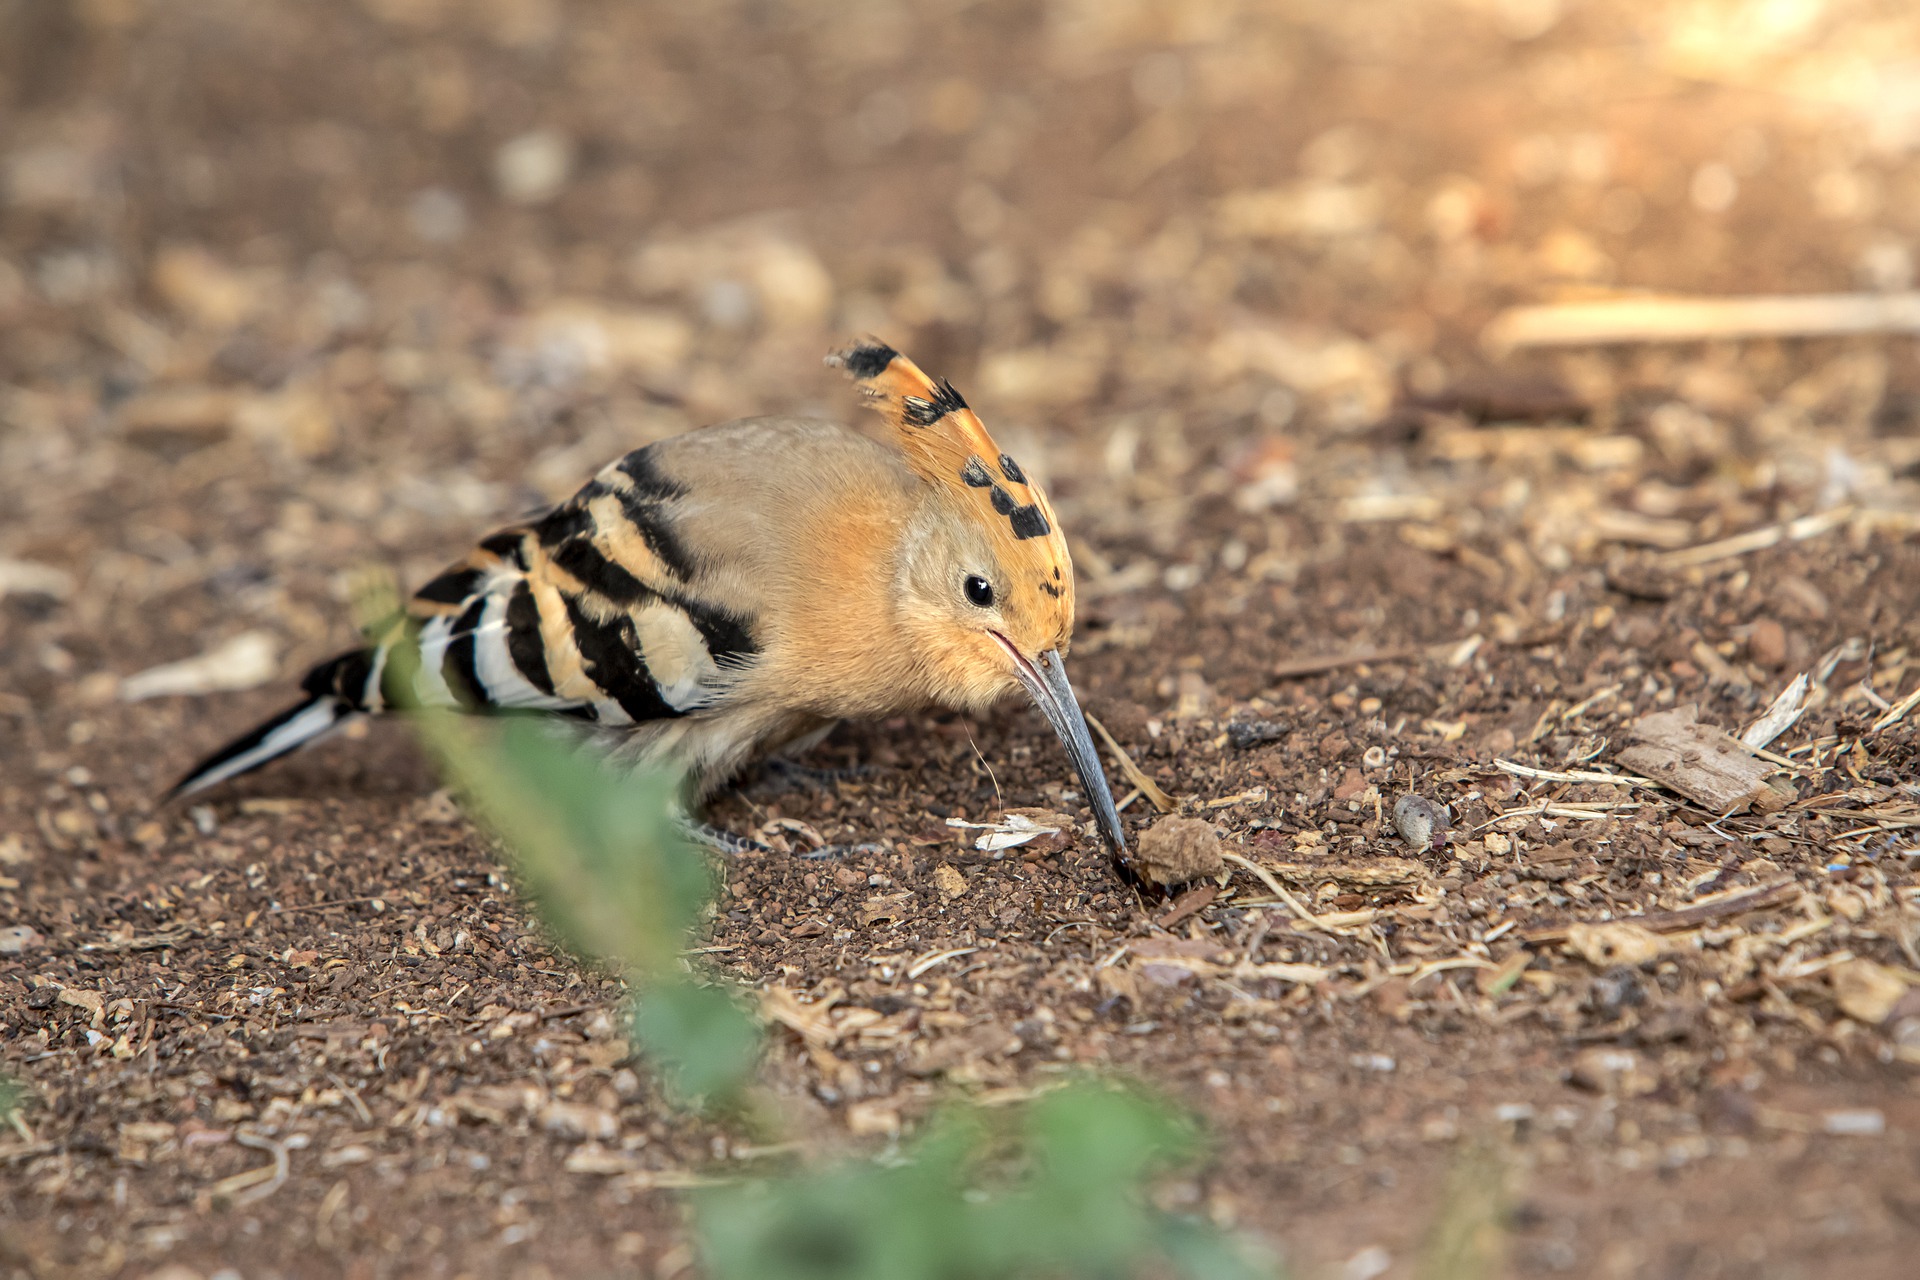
(1811, 526)
(1571, 775)
(1898, 711)
(1135, 774)
(1278, 890)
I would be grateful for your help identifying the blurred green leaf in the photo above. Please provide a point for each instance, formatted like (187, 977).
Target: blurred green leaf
(599, 849)
(13, 1099)
(1467, 1239)
(1080, 1210)
(706, 1043)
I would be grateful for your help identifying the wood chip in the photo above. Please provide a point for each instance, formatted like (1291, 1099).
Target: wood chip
(25, 578)
(1301, 667)
(1700, 762)
(1867, 991)
(1192, 902)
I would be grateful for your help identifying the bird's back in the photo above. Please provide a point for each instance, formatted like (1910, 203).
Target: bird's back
(667, 582)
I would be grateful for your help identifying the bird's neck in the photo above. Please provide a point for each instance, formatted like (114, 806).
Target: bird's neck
(852, 652)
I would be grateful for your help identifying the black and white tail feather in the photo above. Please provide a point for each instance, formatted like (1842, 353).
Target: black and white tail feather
(303, 724)
(595, 613)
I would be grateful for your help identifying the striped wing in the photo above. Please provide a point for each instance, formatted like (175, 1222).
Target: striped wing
(598, 610)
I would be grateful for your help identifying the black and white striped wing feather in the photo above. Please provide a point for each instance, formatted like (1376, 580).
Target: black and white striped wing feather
(598, 611)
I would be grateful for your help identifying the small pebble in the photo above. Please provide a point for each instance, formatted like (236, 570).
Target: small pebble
(1370, 1262)
(437, 216)
(534, 167)
(1251, 733)
(18, 938)
(1767, 644)
(1862, 1123)
(1420, 822)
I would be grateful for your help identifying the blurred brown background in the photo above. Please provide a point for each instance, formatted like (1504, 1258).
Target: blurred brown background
(292, 287)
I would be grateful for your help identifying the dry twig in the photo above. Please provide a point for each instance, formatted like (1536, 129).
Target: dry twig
(1682, 319)
(1135, 774)
(1684, 918)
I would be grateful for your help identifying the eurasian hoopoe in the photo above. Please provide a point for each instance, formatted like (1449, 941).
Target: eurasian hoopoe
(736, 591)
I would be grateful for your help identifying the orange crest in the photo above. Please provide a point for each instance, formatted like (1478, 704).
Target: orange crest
(946, 444)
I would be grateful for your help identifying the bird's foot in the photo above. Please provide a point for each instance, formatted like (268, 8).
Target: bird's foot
(725, 842)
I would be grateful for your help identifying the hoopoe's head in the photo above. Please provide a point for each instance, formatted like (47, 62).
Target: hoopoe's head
(986, 580)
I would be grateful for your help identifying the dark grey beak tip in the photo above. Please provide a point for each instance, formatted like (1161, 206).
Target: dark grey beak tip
(1047, 684)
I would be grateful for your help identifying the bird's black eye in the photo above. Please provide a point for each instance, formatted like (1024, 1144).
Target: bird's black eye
(979, 591)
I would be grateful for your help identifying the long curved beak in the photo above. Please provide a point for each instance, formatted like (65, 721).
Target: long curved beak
(1045, 679)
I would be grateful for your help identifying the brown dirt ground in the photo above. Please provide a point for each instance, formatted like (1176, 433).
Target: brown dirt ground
(270, 313)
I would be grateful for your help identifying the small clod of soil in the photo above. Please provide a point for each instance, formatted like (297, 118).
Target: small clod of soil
(1176, 850)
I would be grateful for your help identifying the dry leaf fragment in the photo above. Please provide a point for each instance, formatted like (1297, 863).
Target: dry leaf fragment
(88, 1000)
(1779, 717)
(1176, 850)
(1866, 991)
(809, 1021)
(886, 906)
(1606, 946)
(985, 1042)
(876, 1117)
(494, 1104)
(1700, 762)
(1017, 827)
